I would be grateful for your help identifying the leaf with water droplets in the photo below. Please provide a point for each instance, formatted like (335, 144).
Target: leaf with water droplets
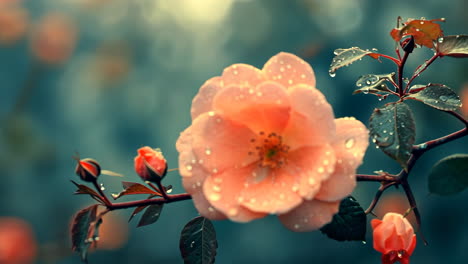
(198, 242)
(373, 83)
(425, 32)
(438, 96)
(453, 46)
(134, 188)
(151, 215)
(82, 230)
(345, 57)
(137, 211)
(349, 224)
(393, 130)
(449, 175)
(83, 189)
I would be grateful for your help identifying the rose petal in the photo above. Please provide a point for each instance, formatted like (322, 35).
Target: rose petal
(310, 215)
(262, 108)
(311, 165)
(242, 75)
(268, 190)
(202, 102)
(350, 144)
(381, 233)
(289, 70)
(204, 207)
(223, 192)
(219, 143)
(412, 245)
(311, 122)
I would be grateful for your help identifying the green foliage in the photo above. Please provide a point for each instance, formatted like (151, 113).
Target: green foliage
(373, 83)
(438, 96)
(84, 230)
(392, 128)
(151, 215)
(345, 57)
(198, 242)
(450, 175)
(349, 223)
(453, 46)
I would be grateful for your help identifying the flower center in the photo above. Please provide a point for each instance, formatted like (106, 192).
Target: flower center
(270, 150)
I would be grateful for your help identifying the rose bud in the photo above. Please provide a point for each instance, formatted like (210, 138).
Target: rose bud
(150, 164)
(394, 237)
(88, 170)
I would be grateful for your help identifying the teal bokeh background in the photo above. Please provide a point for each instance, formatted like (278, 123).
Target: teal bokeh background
(168, 49)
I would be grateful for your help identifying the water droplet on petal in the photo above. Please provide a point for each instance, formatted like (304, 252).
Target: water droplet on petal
(215, 170)
(215, 197)
(282, 196)
(211, 113)
(233, 212)
(216, 188)
(188, 167)
(349, 143)
(296, 226)
(312, 181)
(211, 209)
(208, 151)
(320, 170)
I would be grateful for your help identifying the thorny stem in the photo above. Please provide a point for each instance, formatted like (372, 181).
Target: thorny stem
(170, 199)
(401, 66)
(387, 180)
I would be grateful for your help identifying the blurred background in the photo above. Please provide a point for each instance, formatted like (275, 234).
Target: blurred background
(104, 77)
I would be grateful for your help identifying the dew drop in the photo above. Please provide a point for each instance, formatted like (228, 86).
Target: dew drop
(102, 187)
(290, 82)
(363, 242)
(349, 143)
(443, 98)
(440, 40)
(332, 73)
(253, 200)
(320, 170)
(233, 212)
(211, 113)
(282, 69)
(208, 151)
(259, 94)
(198, 183)
(282, 196)
(211, 209)
(218, 180)
(192, 244)
(216, 188)
(188, 167)
(311, 181)
(296, 226)
(215, 170)
(303, 76)
(295, 188)
(251, 91)
(215, 197)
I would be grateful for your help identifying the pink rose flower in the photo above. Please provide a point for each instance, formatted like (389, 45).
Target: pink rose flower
(150, 164)
(266, 142)
(394, 237)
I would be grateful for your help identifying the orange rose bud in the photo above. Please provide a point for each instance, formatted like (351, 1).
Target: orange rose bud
(150, 164)
(88, 170)
(394, 237)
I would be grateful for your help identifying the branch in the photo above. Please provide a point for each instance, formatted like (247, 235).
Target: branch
(170, 199)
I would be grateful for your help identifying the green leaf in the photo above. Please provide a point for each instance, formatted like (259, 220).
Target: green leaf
(198, 242)
(344, 57)
(453, 46)
(151, 215)
(134, 188)
(438, 96)
(349, 224)
(449, 175)
(82, 231)
(137, 211)
(393, 130)
(83, 189)
(373, 83)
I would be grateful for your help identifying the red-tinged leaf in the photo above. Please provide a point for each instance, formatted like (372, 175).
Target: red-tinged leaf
(136, 211)
(83, 229)
(198, 242)
(425, 32)
(344, 57)
(83, 189)
(131, 188)
(453, 46)
(151, 215)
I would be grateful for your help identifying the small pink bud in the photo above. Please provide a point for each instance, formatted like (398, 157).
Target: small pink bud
(88, 170)
(150, 164)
